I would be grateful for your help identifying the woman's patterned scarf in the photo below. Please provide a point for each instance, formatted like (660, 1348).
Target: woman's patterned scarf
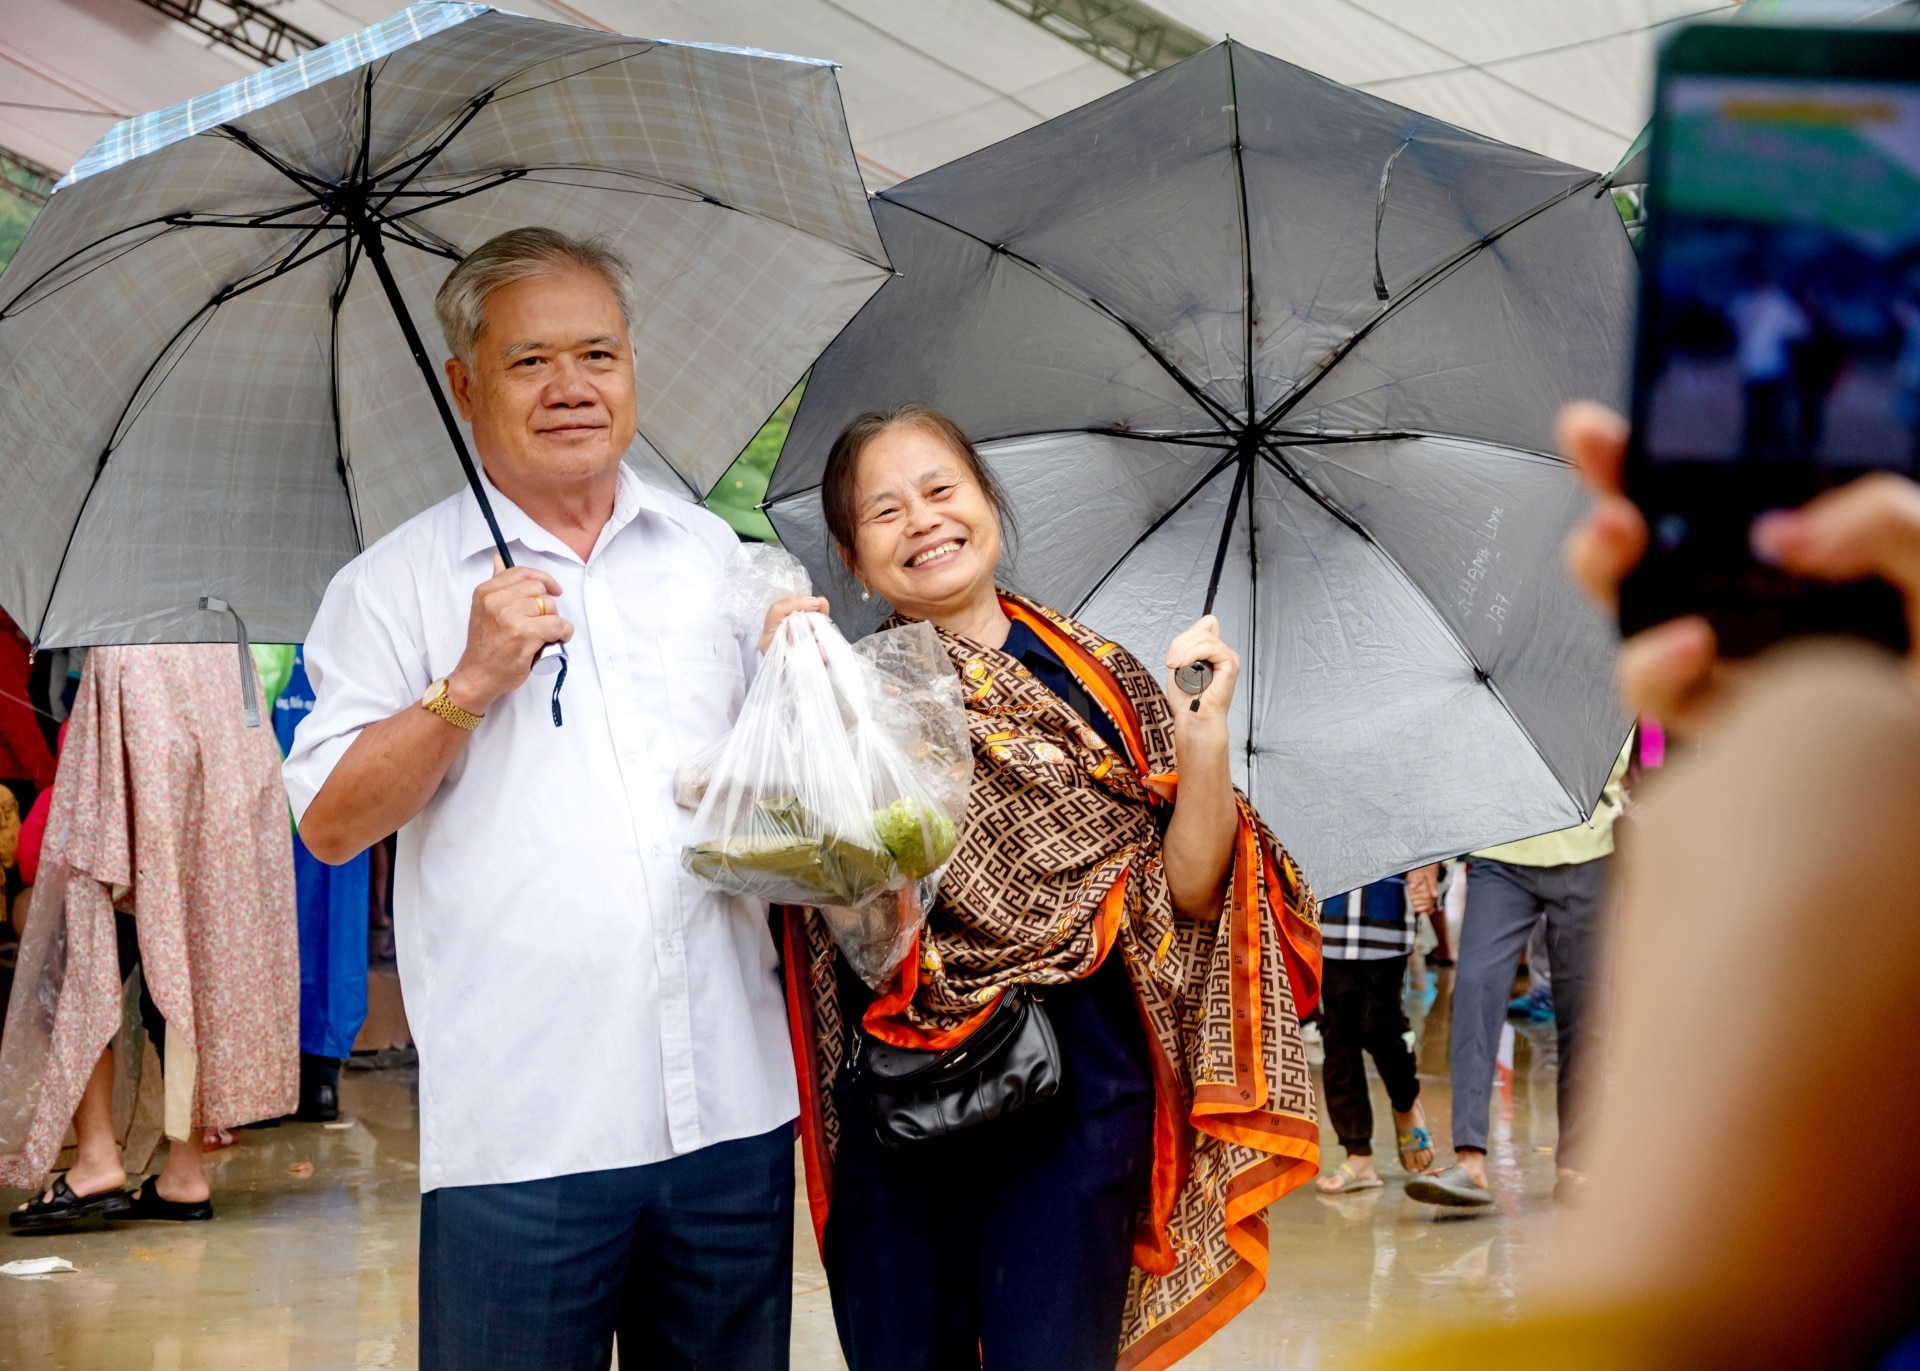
(1059, 865)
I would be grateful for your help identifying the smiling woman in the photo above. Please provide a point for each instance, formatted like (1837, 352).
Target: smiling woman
(1101, 821)
(917, 517)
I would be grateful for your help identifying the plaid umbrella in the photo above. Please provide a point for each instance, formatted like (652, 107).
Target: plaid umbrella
(213, 388)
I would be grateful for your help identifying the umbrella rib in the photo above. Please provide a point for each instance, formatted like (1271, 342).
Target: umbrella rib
(128, 414)
(364, 154)
(1246, 235)
(1284, 438)
(442, 197)
(1291, 400)
(292, 261)
(312, 185)
(423, 159)
(1278, 461)
(394, 230)
(1220, 413)
(1154, 527)
(418, 162)
(338, 299)
(262, 219)
(14, 305)
(1197, 438)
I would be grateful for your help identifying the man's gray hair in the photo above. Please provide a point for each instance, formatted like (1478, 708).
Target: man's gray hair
(521, 255)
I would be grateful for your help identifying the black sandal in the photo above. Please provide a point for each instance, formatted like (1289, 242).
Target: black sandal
(147, 1203)
(64, 1208)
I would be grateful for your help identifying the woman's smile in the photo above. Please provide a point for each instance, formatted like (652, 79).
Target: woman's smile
(940, 552)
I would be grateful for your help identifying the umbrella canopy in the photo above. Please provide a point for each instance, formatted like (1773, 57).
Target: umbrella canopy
(213, 379)
(1239, 331)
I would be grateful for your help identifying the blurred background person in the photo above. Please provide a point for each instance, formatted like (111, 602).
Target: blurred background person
(1366, 939)
(334, 913)
(26, 762)
(167, 846)
(1561, 877)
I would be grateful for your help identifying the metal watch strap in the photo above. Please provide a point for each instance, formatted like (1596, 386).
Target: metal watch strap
(442, 704)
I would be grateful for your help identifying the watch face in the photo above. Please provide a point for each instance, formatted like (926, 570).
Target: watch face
(434, 691)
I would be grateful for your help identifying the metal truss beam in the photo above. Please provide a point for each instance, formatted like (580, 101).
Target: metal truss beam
(1128, 37)
(244, 27)
(26, 178)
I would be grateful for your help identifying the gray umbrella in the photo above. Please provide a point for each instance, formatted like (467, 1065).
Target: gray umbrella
(214, 384)
(1238, 335)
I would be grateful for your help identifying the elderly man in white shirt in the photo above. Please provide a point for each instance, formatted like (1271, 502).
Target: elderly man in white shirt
(606, 1086)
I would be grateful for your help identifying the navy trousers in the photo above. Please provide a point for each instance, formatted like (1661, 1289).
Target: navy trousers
(1007, 1245)
(689, 1261)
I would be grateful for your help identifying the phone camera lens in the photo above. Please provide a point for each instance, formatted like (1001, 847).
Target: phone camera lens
(1670, 532)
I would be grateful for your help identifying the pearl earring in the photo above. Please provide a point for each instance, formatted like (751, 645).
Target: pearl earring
(865, 594)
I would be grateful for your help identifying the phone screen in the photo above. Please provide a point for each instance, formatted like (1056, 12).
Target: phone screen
(1780, 337)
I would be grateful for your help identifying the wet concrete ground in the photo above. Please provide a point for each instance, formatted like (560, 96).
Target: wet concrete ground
(310, 1272)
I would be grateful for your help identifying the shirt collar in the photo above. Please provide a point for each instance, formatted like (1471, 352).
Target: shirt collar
(630, 496)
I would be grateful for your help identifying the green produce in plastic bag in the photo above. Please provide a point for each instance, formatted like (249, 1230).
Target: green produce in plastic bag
(783, 840)
(919, 837)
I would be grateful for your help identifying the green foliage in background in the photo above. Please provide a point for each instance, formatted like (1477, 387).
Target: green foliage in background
(16, 213)
(737, 498)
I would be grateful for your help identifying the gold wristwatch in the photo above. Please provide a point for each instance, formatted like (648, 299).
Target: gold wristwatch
(437, 701)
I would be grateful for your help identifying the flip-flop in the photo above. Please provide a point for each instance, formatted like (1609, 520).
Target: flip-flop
(1452, 1187)
(147, 1203)
(65, 1208)
(1350, 1181)
(1412, 1140)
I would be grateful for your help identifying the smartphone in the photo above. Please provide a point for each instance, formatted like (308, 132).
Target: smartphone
(1779, 334)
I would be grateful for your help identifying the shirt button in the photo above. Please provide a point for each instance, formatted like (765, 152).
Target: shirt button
(656, 852)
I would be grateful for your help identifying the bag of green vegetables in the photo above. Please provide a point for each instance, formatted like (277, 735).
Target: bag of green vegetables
(842, 786)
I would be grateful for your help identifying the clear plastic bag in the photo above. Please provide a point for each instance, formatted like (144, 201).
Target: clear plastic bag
(761, 574)
(842, 786)
(918, 701)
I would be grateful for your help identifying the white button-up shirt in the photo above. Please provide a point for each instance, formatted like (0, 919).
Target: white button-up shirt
(579, 1001)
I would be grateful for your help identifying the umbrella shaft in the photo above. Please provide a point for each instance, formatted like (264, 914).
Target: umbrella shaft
(1226, 532)
(369, 235)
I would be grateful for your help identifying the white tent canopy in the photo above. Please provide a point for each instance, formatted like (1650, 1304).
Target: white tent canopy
(1568, 78)
(926, 81)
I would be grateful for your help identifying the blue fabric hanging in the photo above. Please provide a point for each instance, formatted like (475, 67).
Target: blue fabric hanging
(333, 915)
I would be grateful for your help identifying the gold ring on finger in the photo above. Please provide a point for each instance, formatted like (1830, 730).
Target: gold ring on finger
(539, 606)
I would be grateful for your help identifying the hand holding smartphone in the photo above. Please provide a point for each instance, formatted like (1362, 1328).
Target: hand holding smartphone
(1779, 336)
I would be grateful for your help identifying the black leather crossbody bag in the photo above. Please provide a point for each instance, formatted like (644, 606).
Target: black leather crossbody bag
(1010, 1061)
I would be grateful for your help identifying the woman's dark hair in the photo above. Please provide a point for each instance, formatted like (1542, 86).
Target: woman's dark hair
(839, 483)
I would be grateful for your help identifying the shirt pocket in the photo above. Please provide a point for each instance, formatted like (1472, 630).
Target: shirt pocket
(704, 683)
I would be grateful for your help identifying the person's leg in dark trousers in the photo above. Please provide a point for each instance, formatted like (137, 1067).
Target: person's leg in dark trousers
(1011, 1242)
(1383, 1026)
(1502, 904)
(690, 1259)
(1574, 912)
(1056, 1237)
(1343, 1001)
(710, 1283)
(900, 1242)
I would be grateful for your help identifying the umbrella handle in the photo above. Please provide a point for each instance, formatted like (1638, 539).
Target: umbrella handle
(551, 660)
(1193, 679)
